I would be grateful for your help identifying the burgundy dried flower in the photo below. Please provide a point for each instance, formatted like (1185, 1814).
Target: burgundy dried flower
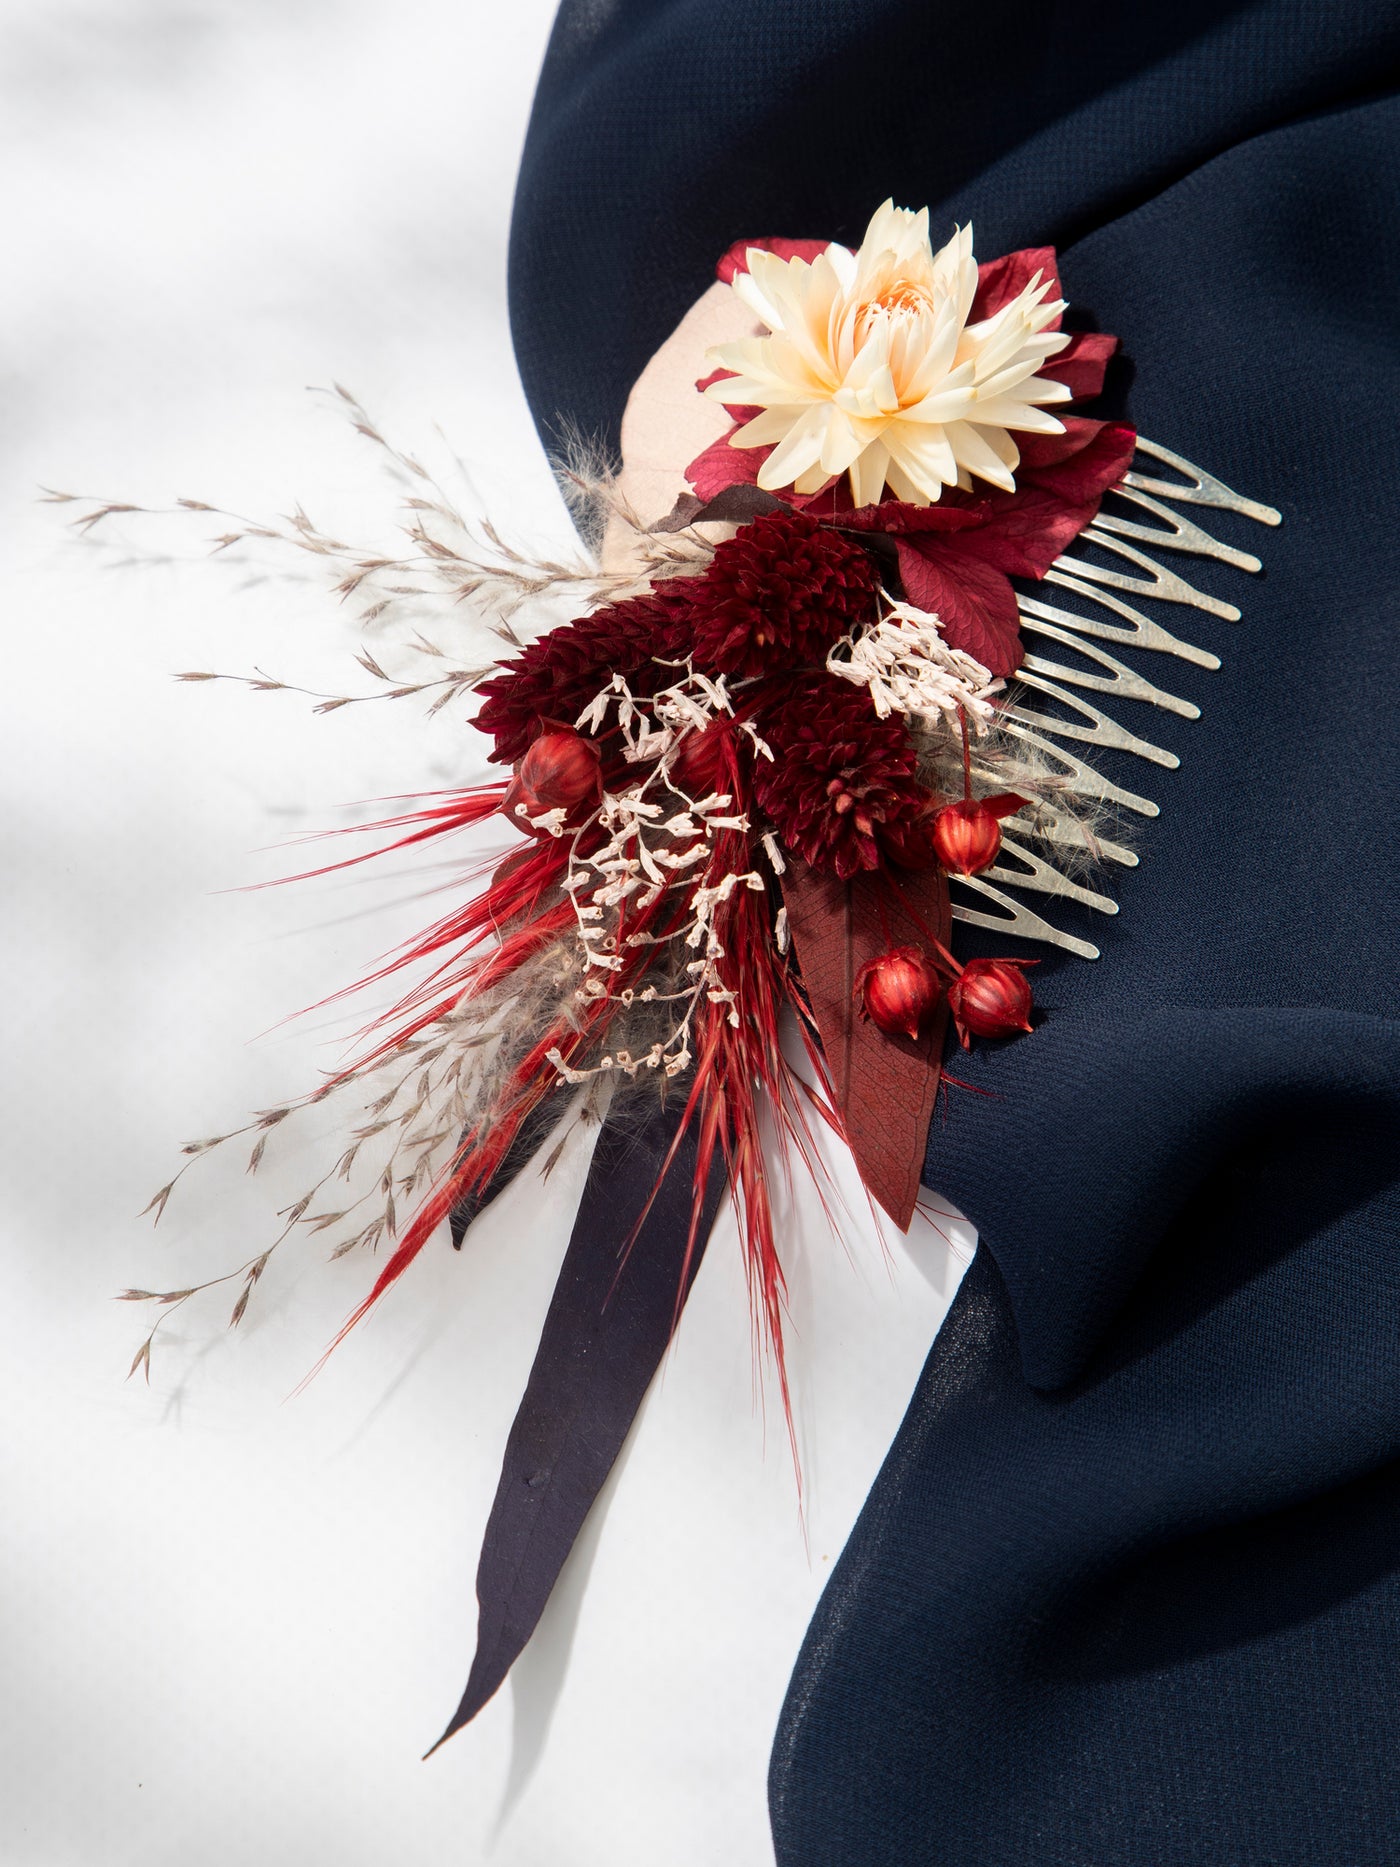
(967, 835)
(990, 998)
(557, 676)
(779, 593)
(839, 774)
(561, 771)
(897, 990)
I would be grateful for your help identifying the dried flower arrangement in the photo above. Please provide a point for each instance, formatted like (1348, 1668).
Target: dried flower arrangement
(749, 771)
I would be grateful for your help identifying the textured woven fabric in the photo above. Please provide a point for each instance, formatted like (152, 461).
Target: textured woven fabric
(1128, 1588)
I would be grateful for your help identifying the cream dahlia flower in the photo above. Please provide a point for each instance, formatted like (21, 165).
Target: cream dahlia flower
(871, 367)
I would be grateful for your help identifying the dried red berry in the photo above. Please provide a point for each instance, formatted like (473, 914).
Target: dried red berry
(561, 771)
(991, 998)
(897, 990)
(967, 835)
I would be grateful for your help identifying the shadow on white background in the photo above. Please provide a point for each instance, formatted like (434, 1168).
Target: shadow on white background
(229, 1626)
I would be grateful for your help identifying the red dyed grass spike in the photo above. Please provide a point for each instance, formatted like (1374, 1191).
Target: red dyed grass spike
(741, 1079)
(467, 808)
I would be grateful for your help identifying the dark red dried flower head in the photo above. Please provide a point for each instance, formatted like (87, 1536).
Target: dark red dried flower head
(839, 774)
(991, 998)
(897, 990)
(557, 676)
(778, 594)
(561, 771)
(967, 835)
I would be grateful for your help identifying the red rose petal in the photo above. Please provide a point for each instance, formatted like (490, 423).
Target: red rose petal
(897, 520)
(722, 466)
(1024, 536)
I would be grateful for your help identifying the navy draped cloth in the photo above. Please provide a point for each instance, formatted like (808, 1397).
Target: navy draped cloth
(1127, 1589)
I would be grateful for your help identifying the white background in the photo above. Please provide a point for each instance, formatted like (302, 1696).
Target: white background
(230, 1622)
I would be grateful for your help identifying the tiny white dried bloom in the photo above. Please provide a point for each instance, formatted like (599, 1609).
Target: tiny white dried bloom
(908, 667)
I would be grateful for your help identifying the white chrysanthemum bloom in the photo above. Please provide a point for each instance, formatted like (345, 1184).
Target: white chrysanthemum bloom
(872, 368)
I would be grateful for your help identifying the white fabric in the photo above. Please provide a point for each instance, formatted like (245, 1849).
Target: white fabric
(229, 1625)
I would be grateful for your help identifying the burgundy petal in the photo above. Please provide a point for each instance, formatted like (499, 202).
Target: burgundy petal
(896, 519)
(1025, 536)
(735, 260)
(1048, 450)
(722, 466)
(1084, 476)
(999, 280)
(718, 376)
(1081, 363)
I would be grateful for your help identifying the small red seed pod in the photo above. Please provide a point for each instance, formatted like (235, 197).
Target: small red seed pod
(897, 990)
(967, 835)
(560, 771)
(701, 763)
(991, 998)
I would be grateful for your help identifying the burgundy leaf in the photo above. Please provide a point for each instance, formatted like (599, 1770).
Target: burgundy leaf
(885, 1087)
(734, 505)
(973, 600)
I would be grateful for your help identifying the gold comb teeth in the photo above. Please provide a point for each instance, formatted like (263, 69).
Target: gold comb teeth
(1086, 723)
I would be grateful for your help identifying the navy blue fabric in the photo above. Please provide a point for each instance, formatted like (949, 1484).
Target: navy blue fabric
(1128, 1587)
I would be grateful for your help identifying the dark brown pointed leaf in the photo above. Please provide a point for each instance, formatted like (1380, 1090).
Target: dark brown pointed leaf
(885, 1087)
